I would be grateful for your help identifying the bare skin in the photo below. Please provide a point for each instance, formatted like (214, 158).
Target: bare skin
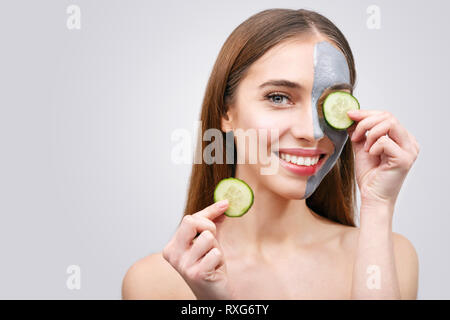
(281, 249)
(289, 274)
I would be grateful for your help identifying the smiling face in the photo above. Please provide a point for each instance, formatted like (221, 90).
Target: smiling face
(281, 91)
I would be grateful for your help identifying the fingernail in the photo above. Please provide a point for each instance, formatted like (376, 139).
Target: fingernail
(222, 203)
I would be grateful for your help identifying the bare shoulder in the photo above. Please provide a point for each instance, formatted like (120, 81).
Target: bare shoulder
(406, 259)
(403, 248)
(153, 278)
(407, 265)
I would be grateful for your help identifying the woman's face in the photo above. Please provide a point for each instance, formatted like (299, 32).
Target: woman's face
(280, 91)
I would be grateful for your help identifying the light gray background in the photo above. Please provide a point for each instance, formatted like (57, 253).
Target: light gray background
(86, 118)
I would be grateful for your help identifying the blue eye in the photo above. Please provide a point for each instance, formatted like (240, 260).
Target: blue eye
(277, 95)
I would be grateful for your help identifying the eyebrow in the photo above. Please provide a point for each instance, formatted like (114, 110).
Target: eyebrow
(280, 83)
(295, 85)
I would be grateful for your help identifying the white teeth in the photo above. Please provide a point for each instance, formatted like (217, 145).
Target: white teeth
(302, 161)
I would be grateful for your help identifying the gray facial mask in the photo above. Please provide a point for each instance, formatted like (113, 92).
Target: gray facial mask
(330, 67)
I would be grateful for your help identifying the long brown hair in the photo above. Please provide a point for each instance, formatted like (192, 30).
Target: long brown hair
(335, 197)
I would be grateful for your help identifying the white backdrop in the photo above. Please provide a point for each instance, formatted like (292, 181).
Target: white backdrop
(86, 117)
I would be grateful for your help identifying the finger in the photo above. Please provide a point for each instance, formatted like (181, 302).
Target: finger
(387, 146)
(205, 242)
(367, 124)
(360, 114)
(381, 129)
(209, 225)
(393, 129)
(213, 211)
(188, 229)
(211, 261)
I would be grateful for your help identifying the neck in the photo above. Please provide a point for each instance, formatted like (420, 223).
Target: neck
(272, 220)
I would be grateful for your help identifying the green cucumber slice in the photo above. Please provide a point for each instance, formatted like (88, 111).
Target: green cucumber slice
(335, 109)
(238, 193)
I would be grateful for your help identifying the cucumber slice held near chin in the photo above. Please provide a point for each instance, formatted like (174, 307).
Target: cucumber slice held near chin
(239, 195)
(335, 109)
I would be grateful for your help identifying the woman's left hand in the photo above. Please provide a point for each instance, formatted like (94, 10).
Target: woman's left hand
(384, 157)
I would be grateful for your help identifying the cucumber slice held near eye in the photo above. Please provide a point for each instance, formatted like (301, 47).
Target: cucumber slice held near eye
(335, 109)
(239, 195)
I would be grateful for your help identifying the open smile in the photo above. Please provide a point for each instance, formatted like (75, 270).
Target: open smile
(301, 165)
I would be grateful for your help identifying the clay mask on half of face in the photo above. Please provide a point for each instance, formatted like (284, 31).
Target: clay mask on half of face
(330, 67)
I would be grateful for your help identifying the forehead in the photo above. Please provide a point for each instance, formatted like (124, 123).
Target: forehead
(296, 59)
(291, 60)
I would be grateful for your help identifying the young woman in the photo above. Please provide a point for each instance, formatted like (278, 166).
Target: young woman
(299, 239)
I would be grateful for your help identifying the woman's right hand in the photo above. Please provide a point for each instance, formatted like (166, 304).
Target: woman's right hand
(200, 261)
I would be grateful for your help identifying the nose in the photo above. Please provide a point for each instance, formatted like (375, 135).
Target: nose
(306, 124)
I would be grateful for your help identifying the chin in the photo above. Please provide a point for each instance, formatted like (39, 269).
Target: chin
(288, 188)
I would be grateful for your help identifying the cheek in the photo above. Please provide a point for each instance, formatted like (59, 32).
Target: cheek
(266, 120)
(266, 126)
(270, 129)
